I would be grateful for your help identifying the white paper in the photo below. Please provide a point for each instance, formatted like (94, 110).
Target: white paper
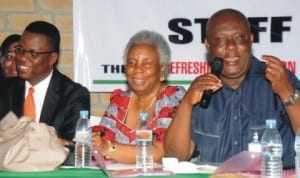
(172, 164)
(121, 166)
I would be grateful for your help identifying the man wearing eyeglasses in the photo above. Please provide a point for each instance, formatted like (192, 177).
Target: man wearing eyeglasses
(57, 99)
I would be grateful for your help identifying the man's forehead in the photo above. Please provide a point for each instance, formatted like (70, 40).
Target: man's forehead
(33, 39)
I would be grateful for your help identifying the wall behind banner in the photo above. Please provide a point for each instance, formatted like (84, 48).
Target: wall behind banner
(16, 14)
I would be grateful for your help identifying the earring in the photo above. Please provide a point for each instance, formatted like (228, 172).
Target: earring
(162, 78)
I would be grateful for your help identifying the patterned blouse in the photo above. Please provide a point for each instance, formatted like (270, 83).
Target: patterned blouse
(113, 127)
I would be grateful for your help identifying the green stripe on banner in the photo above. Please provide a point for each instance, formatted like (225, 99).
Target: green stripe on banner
(179, 82)
(118, 82)
(111, 82)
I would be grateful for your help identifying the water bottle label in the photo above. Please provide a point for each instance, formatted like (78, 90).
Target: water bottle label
(144, 135)
(297, 145)
(83, 137)
(272, 149)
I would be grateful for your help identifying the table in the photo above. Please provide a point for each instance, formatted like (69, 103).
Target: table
(82, 173)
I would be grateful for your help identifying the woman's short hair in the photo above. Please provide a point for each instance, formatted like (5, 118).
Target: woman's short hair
(152, 38)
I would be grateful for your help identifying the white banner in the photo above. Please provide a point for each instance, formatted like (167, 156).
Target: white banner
(102, 28)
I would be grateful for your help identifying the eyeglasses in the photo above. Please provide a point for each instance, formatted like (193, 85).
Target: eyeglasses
(33, 54)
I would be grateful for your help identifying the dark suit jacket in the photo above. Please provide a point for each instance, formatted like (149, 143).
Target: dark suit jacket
(1, 74)
(63, 101)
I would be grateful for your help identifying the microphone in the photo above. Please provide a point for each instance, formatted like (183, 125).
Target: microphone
(216, 68)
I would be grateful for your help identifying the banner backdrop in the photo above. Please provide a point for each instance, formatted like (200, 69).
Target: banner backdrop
(102, 28)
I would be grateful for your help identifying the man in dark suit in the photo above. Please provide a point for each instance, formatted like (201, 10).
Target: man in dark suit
(58, 100)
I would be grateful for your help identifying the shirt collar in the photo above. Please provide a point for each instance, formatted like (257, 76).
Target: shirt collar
(257, 67)
(42, 85)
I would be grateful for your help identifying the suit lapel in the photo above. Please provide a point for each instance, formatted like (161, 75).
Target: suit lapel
(51, 99)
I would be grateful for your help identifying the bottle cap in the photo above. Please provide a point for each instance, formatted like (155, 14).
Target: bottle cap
(255, 136)
(270, 123)
(84, 113)
(143, 116)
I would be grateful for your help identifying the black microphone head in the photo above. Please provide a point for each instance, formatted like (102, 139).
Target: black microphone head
(217, 65)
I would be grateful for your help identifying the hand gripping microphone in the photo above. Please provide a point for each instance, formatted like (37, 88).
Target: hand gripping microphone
(216, 68)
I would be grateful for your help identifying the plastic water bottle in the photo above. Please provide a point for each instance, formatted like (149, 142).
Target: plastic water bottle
(271, 151)
(83, 140)
(144, 156)
(297, 150)
(255, 145)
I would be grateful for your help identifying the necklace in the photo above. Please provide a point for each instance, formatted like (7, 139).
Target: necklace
(145, 107)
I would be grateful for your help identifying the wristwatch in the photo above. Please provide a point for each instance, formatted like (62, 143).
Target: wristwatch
(293, 98)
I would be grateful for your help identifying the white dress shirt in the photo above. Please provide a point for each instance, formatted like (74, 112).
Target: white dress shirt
(39, 94)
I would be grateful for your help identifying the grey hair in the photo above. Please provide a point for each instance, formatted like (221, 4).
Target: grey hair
(152, 38)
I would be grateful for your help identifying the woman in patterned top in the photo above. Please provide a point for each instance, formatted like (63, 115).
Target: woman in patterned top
(146, 56)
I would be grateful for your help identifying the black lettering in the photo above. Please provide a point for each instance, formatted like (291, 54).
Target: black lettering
(277, 28)
(202, 23)
(123, 69)
(108, 68)
(115, 69)
(105, 68)
(183, 36)
(255, 28)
